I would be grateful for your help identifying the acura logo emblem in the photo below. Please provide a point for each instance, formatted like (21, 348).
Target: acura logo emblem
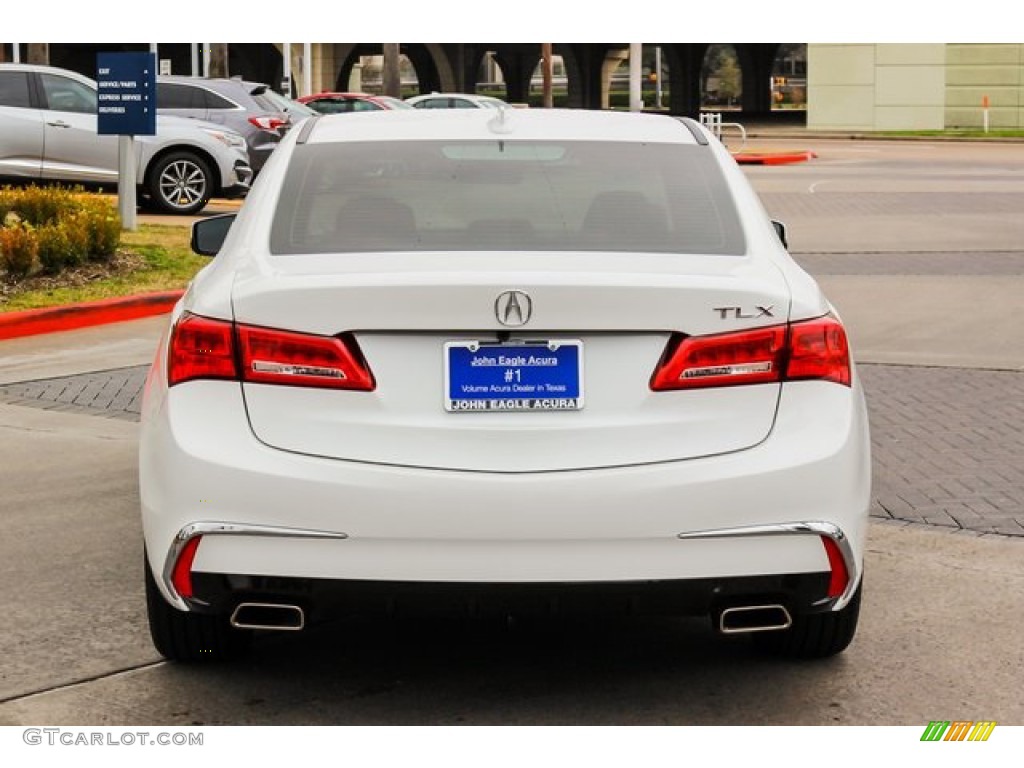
(513, 308)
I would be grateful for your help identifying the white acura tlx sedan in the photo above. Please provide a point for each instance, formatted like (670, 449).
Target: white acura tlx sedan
(502, 361)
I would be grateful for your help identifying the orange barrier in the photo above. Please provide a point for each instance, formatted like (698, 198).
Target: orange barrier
(773, 158)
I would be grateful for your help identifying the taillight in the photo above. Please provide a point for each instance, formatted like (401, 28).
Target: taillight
(268, 123)
(812, 349)
(281, 357)
(203, 348)
(747, 357)
(818, 350)
(840, 577)
(181, 576)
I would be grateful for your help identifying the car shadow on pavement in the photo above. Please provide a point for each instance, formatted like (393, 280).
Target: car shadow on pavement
(545, 672)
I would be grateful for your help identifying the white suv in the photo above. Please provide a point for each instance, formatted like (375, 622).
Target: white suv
(48, 134)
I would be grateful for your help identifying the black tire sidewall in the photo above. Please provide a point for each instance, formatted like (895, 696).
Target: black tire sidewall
(158, 200)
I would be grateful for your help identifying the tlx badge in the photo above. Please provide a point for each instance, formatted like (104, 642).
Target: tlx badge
(737, 313)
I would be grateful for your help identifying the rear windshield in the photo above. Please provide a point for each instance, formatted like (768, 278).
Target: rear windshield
(275, 102)
(500, 195)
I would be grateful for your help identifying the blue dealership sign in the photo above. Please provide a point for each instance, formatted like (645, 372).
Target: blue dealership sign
(126, 93)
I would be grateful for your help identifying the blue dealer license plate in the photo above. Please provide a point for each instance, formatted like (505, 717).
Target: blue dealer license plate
(535, 376)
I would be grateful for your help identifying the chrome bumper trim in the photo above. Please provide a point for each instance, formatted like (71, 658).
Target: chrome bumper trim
(812, 528)
(228, 529)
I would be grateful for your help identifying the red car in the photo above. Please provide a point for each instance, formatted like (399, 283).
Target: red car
(330, 103)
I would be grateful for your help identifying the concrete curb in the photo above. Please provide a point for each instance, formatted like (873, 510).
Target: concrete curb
(51, 319)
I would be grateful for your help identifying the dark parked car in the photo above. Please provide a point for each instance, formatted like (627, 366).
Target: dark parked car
(254, 110)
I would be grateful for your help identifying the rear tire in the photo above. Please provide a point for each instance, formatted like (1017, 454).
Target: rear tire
(185, 636)
(815, 635)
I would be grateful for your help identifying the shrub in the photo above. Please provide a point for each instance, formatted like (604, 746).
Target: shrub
(38, 205)
(19, 248)
(55, 249)
(53, 228)
(103, 227)
(79, 235)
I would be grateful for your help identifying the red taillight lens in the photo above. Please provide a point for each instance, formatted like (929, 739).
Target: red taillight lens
(840, 578)
(748, 357)
(818, 350)
(201, 348)
(181, 576)
(268, 123)
(282, 357)
(813, 349)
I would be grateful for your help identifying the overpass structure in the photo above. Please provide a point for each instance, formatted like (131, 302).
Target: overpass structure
(862, 87)
(588, 67)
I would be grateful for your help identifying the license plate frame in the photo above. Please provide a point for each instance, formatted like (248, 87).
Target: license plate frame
(532, 376)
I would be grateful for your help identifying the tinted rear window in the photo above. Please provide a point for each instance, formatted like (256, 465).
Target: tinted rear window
(176, 96)
(275, 102)
(14, 89)
(501, 195)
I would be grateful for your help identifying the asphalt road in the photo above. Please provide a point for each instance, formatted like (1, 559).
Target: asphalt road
(919, 277)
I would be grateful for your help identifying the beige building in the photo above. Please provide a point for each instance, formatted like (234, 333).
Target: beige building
(880, 87)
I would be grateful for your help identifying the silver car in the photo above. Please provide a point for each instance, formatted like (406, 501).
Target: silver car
(254, 110)
(48, 134)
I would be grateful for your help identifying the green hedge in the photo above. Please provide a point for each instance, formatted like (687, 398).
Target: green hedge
(47, 229)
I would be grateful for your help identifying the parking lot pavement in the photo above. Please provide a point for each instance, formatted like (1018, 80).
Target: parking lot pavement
(214, 208)
(930, 309)
(98, 348)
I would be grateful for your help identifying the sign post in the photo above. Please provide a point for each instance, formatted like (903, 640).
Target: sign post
(126, 107)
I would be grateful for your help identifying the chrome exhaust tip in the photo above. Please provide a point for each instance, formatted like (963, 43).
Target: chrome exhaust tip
(290, 618)
(754, 618)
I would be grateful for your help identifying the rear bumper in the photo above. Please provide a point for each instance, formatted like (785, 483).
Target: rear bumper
(712, 522)
(322, 599)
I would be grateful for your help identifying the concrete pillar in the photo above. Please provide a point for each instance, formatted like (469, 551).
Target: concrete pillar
(685, 61)
(611, 62)
(286, 70)
(441, 63)
(307, 69)
(459, 65)
(518, 70)
(392, 74)
(218, 58)
(756, 59)
(38, 53)
(324, 68)
(636, 97)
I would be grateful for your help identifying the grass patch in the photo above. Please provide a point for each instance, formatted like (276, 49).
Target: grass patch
(154, 258)
(966, 133)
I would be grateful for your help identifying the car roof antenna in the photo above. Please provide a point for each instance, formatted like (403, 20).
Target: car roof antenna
(499, 123)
